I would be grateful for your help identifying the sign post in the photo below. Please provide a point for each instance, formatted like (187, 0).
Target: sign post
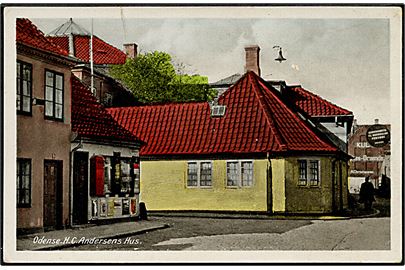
(378, 135)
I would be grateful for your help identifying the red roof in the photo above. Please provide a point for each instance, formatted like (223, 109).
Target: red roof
(103, 53)
(312, 104)
(256, 121)
(29, 34)
(91, 120)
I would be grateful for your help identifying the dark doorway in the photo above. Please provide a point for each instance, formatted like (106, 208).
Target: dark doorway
(80, 187)
(53, 195)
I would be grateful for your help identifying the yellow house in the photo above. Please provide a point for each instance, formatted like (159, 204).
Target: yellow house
(248, 152)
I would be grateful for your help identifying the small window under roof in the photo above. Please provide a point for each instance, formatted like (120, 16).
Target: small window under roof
(218, 110)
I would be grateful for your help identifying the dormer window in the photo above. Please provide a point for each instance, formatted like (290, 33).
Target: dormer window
(218, 110)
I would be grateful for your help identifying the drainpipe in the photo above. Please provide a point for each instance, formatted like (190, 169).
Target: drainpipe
(77, 147)
(269, 186)
(333, 184)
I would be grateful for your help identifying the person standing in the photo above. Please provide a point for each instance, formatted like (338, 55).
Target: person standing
(367, 193)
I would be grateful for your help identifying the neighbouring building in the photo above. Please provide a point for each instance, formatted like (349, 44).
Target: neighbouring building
(247, 152)
(105, 162)
(43, 130)
(331, 119)
(368, 160)
(77, 41)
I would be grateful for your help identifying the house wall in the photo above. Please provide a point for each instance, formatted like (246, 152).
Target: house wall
(322, 198)
(278, 185)
(164, 187)
(39, 139)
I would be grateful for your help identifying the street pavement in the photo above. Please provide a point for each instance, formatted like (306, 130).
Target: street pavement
(357, 234)
(188, 233)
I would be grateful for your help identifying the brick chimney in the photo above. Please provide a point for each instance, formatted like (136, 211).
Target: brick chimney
(252, 59)
(131, 50)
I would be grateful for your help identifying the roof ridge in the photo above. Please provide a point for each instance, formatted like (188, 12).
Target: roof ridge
(306, 125)
(41, 36)
(270, 121)
(319, 97)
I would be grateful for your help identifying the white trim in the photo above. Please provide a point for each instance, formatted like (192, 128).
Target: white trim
(239, 173)
(308, 181)
(198, 162)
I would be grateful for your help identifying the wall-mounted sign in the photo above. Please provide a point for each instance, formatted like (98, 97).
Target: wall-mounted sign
(378, 135)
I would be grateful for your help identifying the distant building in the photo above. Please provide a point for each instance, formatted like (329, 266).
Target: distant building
(76, 41)
(368, 160)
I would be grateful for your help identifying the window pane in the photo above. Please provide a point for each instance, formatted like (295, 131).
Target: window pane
(27, 73)
(18, 102)
(232, 173)
(314, 172)
(18, 70)
(107, 175)
(49, 93)
(192, 174)
(49, 78)
(59, 82)
(18, 86)
(205, 174)
(48, 108)
(247, 173)
(58, 96)
(58, 111)
(302, 172)
(26, 104)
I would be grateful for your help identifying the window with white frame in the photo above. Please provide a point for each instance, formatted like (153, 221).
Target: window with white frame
(24, 87)
(53, 95)
(309, 172)
(239, 173)
(199, 174)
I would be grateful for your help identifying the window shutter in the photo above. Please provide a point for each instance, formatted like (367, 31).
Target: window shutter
(97, 176)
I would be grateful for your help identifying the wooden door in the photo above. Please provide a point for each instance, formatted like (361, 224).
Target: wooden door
(53, 196)
(80, 187)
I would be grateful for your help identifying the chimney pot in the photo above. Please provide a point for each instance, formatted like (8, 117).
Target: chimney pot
(131, 50)
(376, 121)
(252, 59)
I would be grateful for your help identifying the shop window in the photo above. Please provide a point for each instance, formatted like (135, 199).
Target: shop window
(239, 173)
(53, 95)
(120, 176)
(199, 174)
(23, 182)
(24, 87)
(309, 172)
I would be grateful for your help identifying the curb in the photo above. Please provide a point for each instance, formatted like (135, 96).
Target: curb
(118, 235)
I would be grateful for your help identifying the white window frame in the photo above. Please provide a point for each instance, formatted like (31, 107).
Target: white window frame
(239, 173)
(308, 172)
(198, 162)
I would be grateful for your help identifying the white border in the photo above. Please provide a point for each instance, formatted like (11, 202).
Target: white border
(394, 14)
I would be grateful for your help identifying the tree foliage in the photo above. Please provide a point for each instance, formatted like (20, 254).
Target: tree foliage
(153, 78)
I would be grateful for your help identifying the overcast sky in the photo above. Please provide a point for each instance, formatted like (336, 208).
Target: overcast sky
(346, 61)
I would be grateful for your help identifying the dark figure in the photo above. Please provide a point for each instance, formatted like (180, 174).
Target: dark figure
(367, 194)
(143, 213)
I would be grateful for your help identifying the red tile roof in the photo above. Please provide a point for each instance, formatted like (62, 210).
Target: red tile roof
(91, 120)
(256, 121)
(103, 53)
(312, 104)
(29, 34)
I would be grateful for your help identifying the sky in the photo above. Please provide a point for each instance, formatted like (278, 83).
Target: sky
(345, 61)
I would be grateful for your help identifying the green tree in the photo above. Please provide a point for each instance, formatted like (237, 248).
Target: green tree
(153, 78)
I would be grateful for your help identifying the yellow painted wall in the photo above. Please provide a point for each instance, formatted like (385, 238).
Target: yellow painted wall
(308, 199)
(164, 187)
(278, 185)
